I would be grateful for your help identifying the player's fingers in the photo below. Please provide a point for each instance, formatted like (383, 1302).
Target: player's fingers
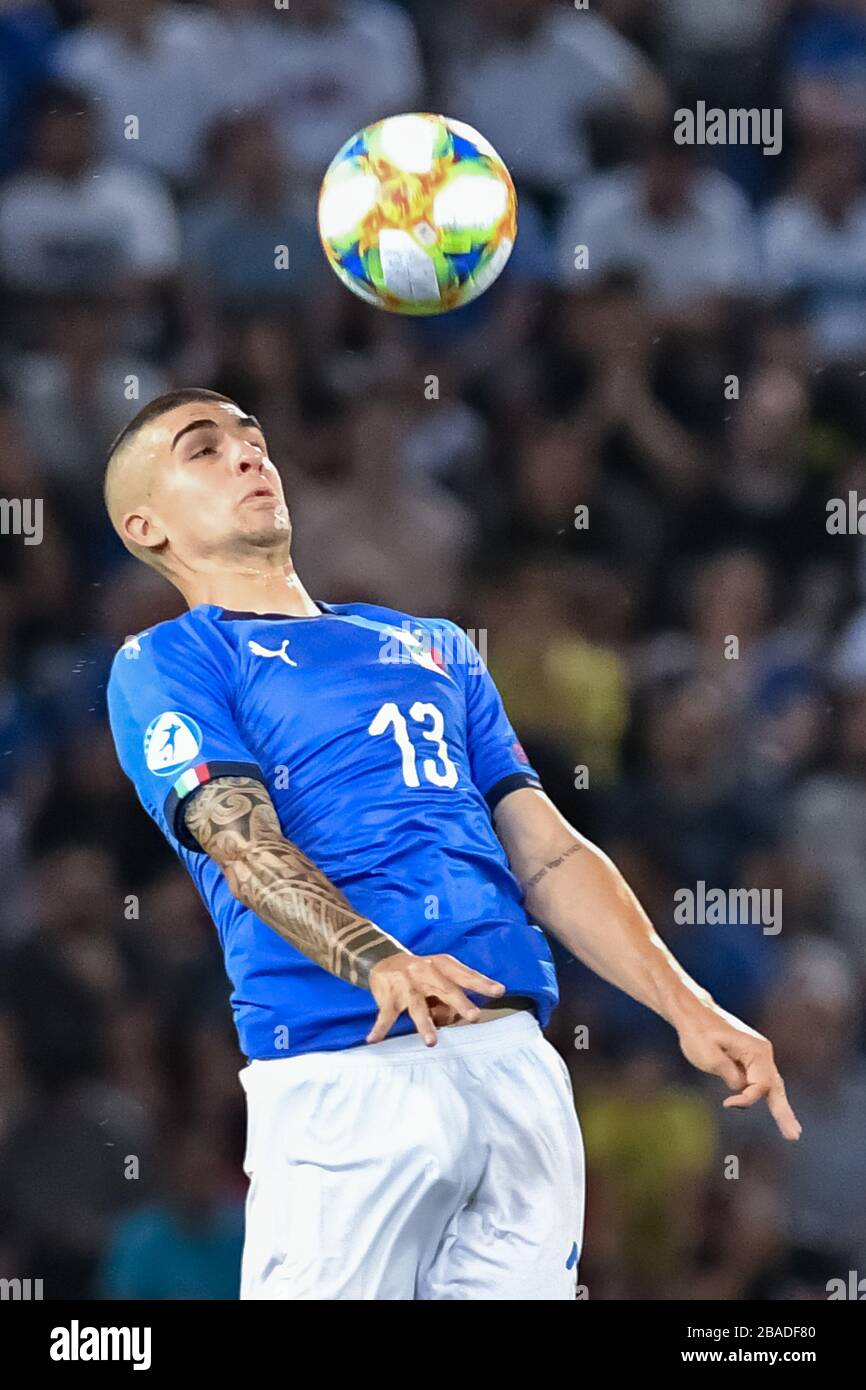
(780, 1109)
(469, 978)
(758, 1062)
(388, 1012)
(440, 986)
(765, 1081)
(419, 1013)
(755, 1055)
(746, 1097)
(441, 1014)
(725, 1067)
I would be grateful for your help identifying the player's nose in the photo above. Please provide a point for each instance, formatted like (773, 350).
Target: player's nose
(250, 463)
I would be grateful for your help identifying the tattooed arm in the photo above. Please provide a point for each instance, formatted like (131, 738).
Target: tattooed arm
(574, 890)
(234, 821)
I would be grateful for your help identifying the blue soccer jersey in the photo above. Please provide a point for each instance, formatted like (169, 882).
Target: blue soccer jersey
(383, 744)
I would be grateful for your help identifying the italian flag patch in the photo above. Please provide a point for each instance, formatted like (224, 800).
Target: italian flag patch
(193, 777)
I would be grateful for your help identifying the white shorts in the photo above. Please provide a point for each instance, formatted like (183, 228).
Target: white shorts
(396, 1171)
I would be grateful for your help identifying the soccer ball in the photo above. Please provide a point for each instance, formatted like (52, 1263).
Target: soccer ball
(417, 214)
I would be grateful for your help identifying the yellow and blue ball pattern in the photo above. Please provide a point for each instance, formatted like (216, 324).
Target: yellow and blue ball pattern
(417, 214)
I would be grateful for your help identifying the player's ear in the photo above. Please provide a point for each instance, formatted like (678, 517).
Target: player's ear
(143, 529)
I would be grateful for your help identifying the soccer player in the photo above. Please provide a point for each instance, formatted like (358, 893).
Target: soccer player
(378, 857)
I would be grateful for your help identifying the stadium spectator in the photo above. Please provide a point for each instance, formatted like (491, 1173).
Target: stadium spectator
(71, 223)
(187, 1244)
(28, 30)
(379, 517)
(687, 232)
(69, 396)
(828, 809)
(825, 65)
(815, 243)
(341, 64)
(813, 1011)
(247, 240)
(650, 1143)
(553, 66)
(706, 45)
(694, 388)
(555, 662)
(158, 75)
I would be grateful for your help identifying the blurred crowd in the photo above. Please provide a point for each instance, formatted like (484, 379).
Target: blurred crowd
(613, 464)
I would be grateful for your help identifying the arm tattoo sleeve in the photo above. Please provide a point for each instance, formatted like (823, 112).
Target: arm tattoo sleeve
(235, 822)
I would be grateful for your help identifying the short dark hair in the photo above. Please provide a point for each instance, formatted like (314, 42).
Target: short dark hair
(169, 400)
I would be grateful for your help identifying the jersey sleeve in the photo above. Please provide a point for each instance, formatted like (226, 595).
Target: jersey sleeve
(171, 713)
(497, 760)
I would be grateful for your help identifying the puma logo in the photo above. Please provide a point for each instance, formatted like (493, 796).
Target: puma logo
(258, 650)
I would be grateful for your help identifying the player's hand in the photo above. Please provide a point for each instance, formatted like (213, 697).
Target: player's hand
(716, 1042)
(429, 988)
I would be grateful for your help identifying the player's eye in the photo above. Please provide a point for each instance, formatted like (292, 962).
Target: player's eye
(205, 449)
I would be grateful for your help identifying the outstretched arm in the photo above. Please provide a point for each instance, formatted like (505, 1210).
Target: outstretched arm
(574, 890)
(235, 822)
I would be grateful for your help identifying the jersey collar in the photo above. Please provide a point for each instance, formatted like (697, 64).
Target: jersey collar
(229, 615)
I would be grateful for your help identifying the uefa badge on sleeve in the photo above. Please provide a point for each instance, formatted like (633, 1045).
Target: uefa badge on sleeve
(171, 740)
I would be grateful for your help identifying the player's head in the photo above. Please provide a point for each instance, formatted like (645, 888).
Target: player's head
(190, 489)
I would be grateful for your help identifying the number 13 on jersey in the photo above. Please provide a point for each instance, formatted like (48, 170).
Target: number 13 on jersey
(438, 770)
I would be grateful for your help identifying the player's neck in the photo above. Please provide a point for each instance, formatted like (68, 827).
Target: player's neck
(252, 591)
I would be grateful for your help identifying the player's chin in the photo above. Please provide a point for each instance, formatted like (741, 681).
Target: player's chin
(265, 524)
